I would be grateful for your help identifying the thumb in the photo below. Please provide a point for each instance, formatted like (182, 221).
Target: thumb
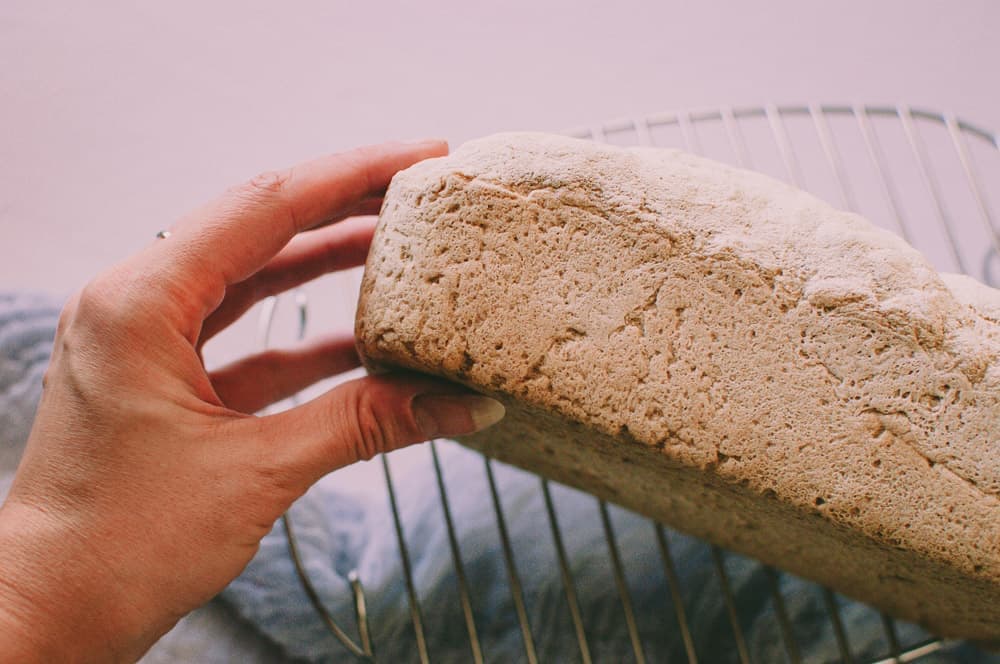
(361, 418)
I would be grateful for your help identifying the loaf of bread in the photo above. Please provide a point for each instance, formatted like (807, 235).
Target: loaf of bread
(714, 349)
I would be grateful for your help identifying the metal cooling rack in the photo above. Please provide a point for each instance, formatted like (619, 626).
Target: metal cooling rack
(918, 173)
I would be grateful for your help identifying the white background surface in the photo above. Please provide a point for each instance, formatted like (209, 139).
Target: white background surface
(119, 116)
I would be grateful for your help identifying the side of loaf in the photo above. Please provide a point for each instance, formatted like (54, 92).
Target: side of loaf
(714, 349)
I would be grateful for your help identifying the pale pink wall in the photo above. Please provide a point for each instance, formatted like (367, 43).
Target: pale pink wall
(118, 116)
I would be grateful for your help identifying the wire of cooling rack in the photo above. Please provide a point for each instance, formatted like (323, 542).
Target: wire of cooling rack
(364, 650)
(787, 162)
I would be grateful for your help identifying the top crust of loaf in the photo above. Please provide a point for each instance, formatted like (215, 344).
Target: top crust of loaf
(733, 322)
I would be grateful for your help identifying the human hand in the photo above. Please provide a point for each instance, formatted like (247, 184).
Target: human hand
(147, 485)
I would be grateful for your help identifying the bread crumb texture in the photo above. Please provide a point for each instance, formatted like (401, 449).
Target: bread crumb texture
(714, 349)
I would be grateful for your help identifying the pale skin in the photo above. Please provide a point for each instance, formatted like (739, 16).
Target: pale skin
(148, 482)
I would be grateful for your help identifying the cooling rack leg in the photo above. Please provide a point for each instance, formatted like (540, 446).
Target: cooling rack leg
(567, 575)
(878, 161)
(972, 177)
(780, 135)
(404, 554)
(838, 626)
(363, 652)
(889, 626)
(688, 133)
(515, 579)
(833, 158)
(675, 594)
(456, 557)
(626, 599)
(735, 136)
(933, 188)
(787, 634)
(727, 594)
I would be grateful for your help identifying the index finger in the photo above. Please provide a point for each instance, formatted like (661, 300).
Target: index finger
(231, 238)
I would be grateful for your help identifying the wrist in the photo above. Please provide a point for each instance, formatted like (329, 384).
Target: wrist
(20, 642)
(54, 604)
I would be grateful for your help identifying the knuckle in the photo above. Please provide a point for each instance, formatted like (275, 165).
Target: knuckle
(109, 308)
(80, 371)
(269, 183)
(67, 314)
(370, 432)
(270, 190)
(99, 301)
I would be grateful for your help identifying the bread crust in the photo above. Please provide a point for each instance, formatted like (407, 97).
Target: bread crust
(714, 349)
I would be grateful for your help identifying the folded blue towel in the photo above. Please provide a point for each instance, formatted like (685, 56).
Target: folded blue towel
(345, 524)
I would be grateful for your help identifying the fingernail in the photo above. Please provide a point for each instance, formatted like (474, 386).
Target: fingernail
(455, 415)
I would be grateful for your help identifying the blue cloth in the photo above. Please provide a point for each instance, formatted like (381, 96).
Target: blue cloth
(345, 524)
(339, 531)
(27, 327)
